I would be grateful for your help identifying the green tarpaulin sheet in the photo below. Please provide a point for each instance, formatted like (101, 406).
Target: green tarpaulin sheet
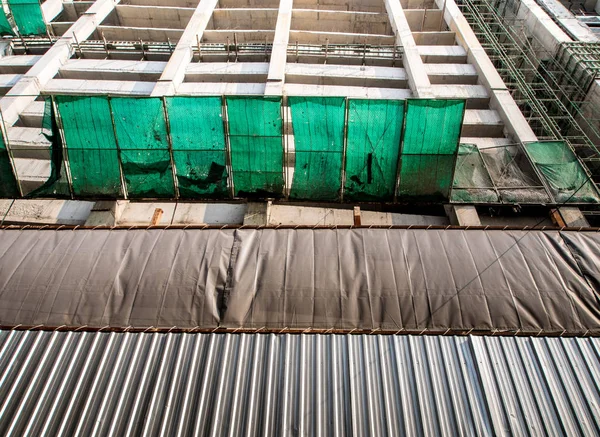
(373, 146)
(318, 124)
(28, 17)
(57, 185)
(568, 181)
(5, 27)
(429, 148)
(255, 139)
(472, 181)
(91, 146)
(142, 139)
(199, 148)
(9, 187)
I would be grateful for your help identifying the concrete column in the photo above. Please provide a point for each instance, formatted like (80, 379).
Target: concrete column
(462, 215)
(174, 73)
(258, 214)
(500, 98)
(32, 83)
(106, 213)
(51, 9)
(418, 80)
(276, 76)
(573, 217)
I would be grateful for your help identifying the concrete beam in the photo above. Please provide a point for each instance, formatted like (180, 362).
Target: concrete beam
(174, 73)
(100, 87)
(442, 54)
(413, 64)
(110, 69)
(350, 75)
(276, 76)
(227, 72)
(18, 64)
(30, 85)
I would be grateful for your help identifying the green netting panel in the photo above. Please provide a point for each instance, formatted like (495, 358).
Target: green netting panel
(91, 147)
(142, 138)
(28, 16)
(432, 126)
(432, 130)
(255, 138)
(472, 182)
(199, 148)
(428, 177)
(57, 185)
(5, 27)
(373, 146)
(319, 146)
(566, 177)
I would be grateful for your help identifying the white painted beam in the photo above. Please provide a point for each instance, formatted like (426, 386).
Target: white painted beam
(32, 83)
(413, 64)
(174, 73)
(276, 76)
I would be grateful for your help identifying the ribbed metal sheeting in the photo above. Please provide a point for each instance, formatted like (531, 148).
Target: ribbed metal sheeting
(91, 384)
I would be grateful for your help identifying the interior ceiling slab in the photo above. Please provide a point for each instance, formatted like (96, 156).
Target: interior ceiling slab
(345, 279)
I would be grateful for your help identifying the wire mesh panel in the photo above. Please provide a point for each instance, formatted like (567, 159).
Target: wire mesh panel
(566, 177)
(255, 139)
(472, 181)
(318, 124)
(373, 146)
(429, 148)
(198, 142)
(28, 16)
(141, 132)
(513, 175)
(91, 146)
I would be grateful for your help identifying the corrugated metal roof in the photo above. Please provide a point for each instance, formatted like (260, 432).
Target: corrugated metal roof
(92, 384)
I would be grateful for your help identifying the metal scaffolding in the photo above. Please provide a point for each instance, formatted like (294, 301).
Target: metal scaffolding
(549, 91)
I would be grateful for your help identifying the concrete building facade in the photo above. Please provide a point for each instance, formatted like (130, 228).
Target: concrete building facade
(376, 50)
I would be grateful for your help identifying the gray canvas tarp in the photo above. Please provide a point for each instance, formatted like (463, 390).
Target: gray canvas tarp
(365, 279)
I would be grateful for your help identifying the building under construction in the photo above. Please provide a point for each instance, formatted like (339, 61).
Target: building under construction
(299, 217)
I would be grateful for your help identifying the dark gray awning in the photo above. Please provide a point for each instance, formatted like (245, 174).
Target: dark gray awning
(366, 279)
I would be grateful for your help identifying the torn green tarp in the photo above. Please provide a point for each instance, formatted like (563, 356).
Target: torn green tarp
(9, 187)
(566, 177)
(318, 124)
(28, 17)
(144, 147)
(5, 26)
(472, 182)
(90, 146)
(429, 148)
(255, 138)
(56, 186)
(373, 146)
(199, 148)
